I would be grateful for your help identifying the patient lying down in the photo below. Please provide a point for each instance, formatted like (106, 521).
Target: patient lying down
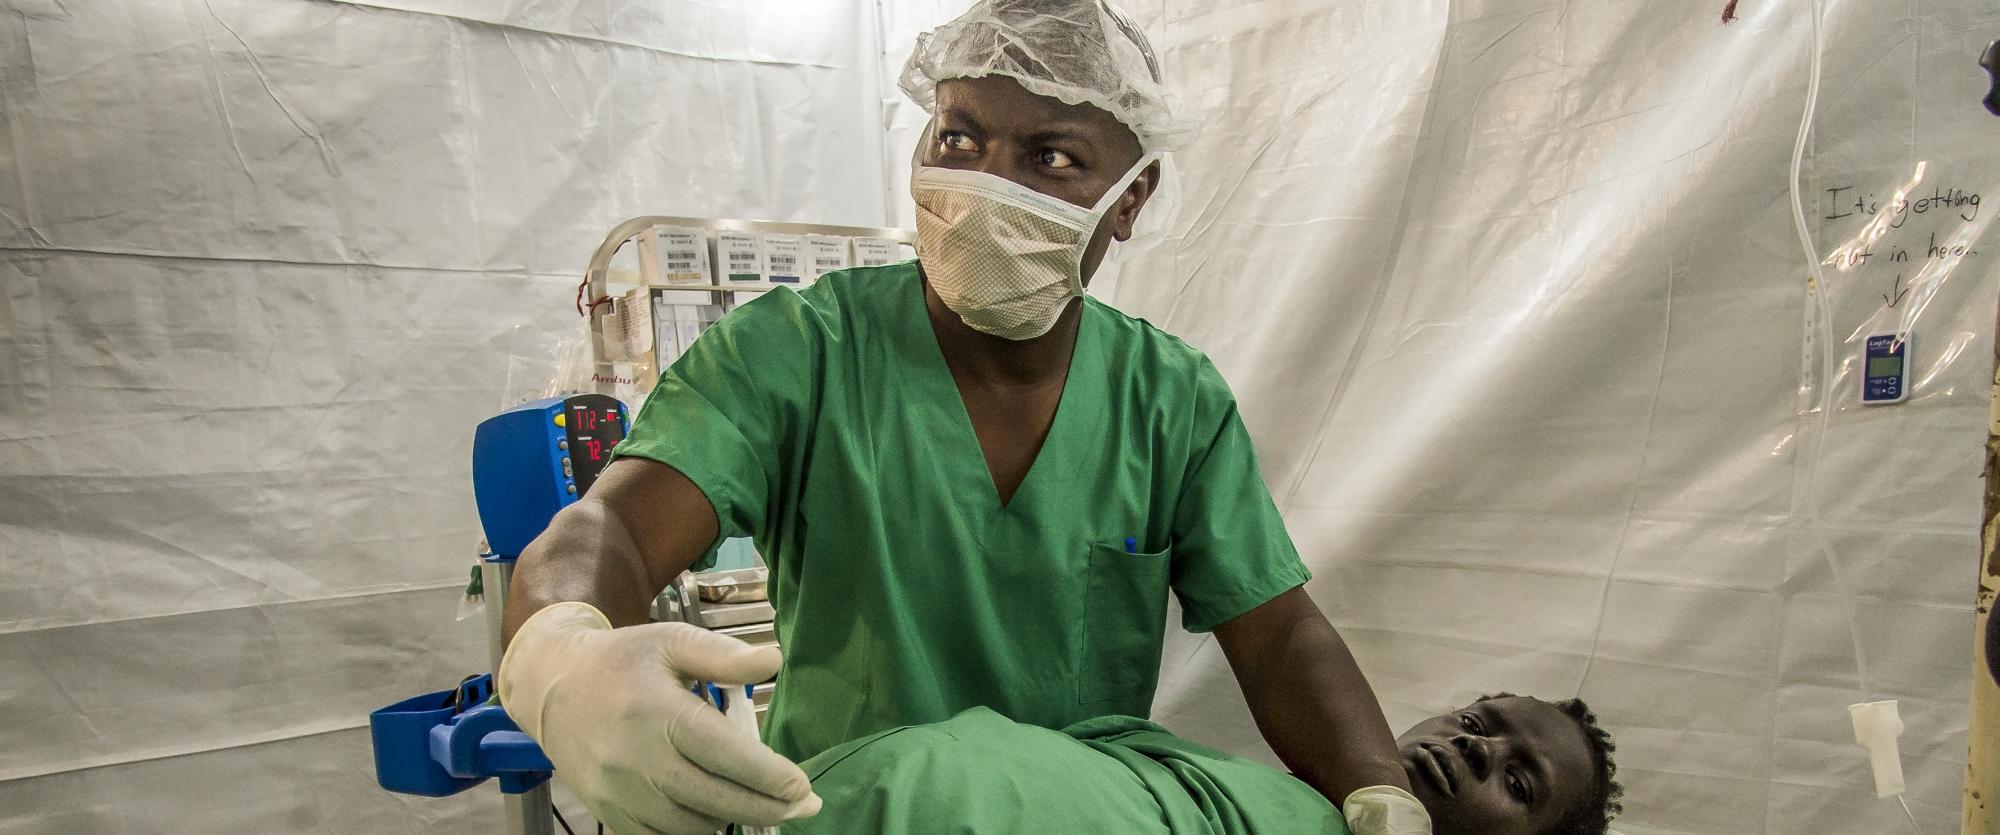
(1504, 765)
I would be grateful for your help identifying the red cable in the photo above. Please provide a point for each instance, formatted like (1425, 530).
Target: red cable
(593, 305)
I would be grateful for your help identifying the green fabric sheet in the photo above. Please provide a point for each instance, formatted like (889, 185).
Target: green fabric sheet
(982, 773)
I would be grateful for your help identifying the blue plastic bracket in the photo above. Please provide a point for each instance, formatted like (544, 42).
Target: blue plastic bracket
(443, 743)
(485, 742)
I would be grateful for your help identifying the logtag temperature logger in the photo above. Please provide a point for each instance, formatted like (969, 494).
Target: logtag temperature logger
(1885, 369)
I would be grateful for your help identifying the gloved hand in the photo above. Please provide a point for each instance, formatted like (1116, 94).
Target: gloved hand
(1385, 810)
(612, 710)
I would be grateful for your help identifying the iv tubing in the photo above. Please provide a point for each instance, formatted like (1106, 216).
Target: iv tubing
(1825, 395)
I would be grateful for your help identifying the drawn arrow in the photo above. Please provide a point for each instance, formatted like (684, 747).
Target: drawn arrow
(1901, 291)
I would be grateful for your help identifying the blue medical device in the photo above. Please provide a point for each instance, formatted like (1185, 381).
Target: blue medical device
(528, 462)
(535, 459)
(1885, 369)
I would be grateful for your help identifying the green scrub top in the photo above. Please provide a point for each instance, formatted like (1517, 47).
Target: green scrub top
(825, 425)
(979, 772)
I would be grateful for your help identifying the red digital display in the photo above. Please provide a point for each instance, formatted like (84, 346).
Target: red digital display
(595, 425)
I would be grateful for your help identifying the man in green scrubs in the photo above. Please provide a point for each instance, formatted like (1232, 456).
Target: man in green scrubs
(973, 485)
(1504, 765)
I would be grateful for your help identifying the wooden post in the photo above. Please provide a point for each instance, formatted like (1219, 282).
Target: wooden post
(1982, 761)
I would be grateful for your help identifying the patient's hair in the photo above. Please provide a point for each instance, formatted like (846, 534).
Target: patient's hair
(1593, 816)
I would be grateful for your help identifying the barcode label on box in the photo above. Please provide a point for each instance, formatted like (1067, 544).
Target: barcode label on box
(874, 252)
(784, 263)
(682, 261)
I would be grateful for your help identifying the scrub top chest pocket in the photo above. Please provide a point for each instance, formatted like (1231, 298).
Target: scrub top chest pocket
(1124, 622)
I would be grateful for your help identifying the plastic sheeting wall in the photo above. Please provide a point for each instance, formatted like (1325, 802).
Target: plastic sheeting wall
(1508, 289)
(1511, 296)
(261, 263)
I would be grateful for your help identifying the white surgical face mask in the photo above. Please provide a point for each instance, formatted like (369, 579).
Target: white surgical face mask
(1004, 257)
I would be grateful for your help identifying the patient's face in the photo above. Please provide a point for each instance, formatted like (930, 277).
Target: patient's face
(1506, 766)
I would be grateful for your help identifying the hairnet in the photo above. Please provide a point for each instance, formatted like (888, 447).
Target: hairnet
(1078, 51)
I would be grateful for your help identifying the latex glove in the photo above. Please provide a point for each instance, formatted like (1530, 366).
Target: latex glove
(1385, 810)
(612, 710)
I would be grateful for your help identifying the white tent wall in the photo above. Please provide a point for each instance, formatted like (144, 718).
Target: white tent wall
(902, 120)
(1509, 292)
(261, 265)
(1512, 299)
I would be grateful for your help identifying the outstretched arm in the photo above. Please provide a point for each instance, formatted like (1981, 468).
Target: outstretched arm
(639, 527)
(1309, 698)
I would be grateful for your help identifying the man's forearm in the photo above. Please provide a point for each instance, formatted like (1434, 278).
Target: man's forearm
(641, 526)
(1310, 699)
(586, 555)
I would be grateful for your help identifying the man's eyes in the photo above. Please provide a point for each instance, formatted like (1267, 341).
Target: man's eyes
(1051, 158)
